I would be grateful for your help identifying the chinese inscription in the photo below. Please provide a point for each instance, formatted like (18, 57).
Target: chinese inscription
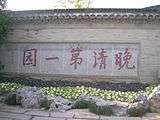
(80, 59)
(123, 59)
(75, 58)
(52, 58)
(100, 59)
(29, 57)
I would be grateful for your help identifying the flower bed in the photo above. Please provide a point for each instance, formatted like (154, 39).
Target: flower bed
(102, 102)
(73, 93)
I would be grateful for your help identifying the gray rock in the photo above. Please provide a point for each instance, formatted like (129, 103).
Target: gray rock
(2, 98)
(89, 98)
(30, 97)
(119, 108)
(141, 97)
(25, 90)
(53, 107)
(60, 104)
(137, 109)
(154, 99)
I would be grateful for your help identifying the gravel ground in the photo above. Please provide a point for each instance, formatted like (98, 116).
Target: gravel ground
(60, 83)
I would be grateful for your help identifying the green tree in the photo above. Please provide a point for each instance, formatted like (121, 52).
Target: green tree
(81, 3)
(73, 4)
(2, 4)
(5, 22)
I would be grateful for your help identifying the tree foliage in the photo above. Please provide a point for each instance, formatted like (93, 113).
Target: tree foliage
(2, 4)
(73, 4)
(5, 23)
(81, 3)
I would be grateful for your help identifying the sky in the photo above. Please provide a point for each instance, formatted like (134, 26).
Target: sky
(17, 5)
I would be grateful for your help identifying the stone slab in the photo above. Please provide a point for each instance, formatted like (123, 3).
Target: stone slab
(82, 119)
(151, 116)
(15, 116)
(47, 118)
(37, 112)
(85, 114)
(133, 118)
(5, 118)
(13, 109)
(119, 118)
(67, 114)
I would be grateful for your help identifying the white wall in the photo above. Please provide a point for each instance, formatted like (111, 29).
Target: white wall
(147, 35)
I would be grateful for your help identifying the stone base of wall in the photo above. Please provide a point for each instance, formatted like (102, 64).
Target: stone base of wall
(72, 81)
(74, 78)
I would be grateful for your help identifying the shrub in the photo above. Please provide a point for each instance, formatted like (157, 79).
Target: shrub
(5, 23)
(153, 110)
(11, 99)
(93, 108)
(81, 104)
(45, 103)
(136, 111)
(100, 110)
(105, 110)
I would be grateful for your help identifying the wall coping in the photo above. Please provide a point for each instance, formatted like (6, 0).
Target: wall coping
(146, 15)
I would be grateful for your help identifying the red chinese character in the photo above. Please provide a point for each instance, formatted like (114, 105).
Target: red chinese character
(52, 58)
(122, 60)
(75, 59)
(100, 57)
(29, 57)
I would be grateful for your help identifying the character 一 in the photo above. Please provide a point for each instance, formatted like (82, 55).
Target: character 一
(29, 57)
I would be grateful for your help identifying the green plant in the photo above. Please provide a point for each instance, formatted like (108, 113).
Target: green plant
(105, 110)
(153, 110)
(92, 108)
(100, 110)
(45, 103)
(2, 4)
(73, 93)
(136, 111)
(81, 104)
(5, 22)
(11, 99)
(9, 87)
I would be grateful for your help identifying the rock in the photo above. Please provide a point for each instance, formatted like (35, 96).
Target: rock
(60, 104)
(23, 91)
(137, 109)
(53, 107)
(89, 98)
(141, 97)
(119, 108)
(97, 100)
(30, 97)
(2, 98)
(154, 99)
